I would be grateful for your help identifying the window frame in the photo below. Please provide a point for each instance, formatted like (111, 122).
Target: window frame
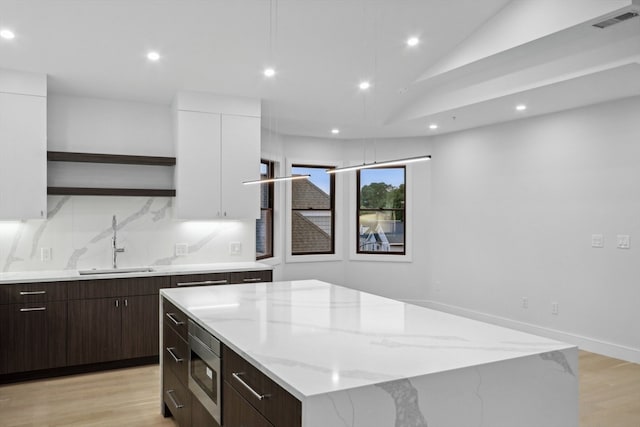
(359, 209)
(271, 207)
(332, 209)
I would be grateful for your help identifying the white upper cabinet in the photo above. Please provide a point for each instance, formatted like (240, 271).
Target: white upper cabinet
(197, 165)
(240, 162)
(23, 146)
(217, 148)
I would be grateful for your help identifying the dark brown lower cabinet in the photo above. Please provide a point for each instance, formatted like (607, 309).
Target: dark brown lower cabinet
(251, 276)
(237, 412)
(281, 408)
(94, 331)
(140, 331)
(199, 415)
(176, 397)
(107, 329)
(33, 336)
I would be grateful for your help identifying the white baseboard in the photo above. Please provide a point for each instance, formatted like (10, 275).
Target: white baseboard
(585, 343)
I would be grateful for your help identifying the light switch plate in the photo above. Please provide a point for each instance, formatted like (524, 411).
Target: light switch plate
(235, 248)
(623, 241)
(597, 241)
(182, 249)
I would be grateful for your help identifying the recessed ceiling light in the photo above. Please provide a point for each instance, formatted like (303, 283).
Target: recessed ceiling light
(269, 72)
(521, 107)
(413, 41)
(364, 85)
(433, 126)
(7, 34)
(153, 56)
(335, 131)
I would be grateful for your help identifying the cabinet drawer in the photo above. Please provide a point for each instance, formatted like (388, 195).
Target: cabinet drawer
(33, 292)
(113, 288)
(237, 412)
(278, 406)
(250, 276)
(176, 319)
(199, 280)
(33, 336)
(199, 415)
(175, 353)
(176, 397)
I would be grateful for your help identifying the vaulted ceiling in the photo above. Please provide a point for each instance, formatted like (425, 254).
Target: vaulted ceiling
(476, 60)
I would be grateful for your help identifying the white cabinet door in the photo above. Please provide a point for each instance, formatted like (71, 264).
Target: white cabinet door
(198, 171)
(240, 162)
(23, 156)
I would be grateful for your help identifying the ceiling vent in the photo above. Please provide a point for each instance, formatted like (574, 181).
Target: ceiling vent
(612, 21)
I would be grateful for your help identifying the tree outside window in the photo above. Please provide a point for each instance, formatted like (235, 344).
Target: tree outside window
(381, 211)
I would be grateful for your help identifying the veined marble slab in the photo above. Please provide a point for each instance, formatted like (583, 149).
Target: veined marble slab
(163, 270)
(357, 359)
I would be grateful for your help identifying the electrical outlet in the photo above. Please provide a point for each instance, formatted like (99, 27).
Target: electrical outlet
(597, 241)
(45, 254)
(525, 302)
(623, 241)
(182, 249)
(235, 248)
(554, 308)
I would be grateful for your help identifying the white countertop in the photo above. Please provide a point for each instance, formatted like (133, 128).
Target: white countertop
(314, 338)
(160, 270)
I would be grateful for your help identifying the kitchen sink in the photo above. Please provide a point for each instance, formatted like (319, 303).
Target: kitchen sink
(115, 270)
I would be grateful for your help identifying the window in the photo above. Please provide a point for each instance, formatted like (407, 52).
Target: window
(381, 211)
(312, 211)
(264, 225)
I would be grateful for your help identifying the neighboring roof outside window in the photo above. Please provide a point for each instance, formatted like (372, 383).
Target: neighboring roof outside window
(306, 195)
(308, 233)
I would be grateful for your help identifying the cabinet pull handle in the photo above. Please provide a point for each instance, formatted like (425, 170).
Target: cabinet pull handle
(175, 321)
(24, 310)
(173, 399)
(126, 303)
(33, 292)
(205, 282)
(252, 279)
(176, 358)
(238, 375)
(117, 303)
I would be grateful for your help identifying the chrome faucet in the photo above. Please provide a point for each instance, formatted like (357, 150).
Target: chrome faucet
(114, 243)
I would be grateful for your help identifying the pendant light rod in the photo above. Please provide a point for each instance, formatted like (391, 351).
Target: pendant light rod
(277, 179)
(381, 164)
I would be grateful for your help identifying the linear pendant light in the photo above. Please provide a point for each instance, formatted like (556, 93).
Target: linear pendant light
(277, 179)
(380, 164)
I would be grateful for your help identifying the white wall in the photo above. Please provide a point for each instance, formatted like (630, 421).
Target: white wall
(387, 275)
(78, 229)
(111, 126)
(507, 211)
(513, 210)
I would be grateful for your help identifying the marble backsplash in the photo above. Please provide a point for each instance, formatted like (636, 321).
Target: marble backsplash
(77, 234)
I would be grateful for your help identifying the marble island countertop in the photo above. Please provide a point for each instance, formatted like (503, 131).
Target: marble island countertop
(315, 338)
(160, 270)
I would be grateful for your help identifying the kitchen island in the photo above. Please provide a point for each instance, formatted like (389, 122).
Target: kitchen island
(356, 359)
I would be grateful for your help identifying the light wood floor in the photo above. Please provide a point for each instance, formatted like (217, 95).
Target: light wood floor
(609, 392)
(609, 397)
(125, 397)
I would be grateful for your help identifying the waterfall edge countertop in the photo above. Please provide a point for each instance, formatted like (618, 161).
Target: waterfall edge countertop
(314, 338)
(155, 270)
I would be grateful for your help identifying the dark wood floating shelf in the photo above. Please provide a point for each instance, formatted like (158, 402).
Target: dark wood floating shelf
(80, 191)
(61, 156)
